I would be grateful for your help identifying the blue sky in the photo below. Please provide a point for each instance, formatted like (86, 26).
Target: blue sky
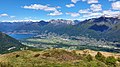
(19, 10)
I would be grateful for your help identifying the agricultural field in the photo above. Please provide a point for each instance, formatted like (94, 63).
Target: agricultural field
(70, 42)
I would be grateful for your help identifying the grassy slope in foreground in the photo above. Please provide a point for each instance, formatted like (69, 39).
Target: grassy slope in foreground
(59, 58)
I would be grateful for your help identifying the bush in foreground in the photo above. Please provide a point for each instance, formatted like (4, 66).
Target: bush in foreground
(100, 57)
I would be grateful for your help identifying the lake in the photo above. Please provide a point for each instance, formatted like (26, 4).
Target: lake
(21, 36)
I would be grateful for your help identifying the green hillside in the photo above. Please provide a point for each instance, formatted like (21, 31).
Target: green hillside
(59, 58)
(9, 44)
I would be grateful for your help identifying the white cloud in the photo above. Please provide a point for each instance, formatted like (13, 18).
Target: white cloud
(3, 15)
(116, 5)
(12, 16)
(58, 7)
(106, 13)
(92, 15)
(85, 11)
(30, 20)
(73, 14)
(109, 13)
(112, 0)
(6, 15)
(75, 1)
(70, 5)
(92, 1)
(56, 13)
(40, 7)
(84, 0)
(96, 7)
(45, 8)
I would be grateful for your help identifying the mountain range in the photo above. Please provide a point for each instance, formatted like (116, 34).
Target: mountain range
(106, 28)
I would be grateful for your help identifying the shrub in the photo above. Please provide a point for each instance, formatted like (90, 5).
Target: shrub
(89, 58)
(17, 56)
(5, 64)
(100, 57)
(110, 60)
(118, 59)
(46, 54)
(96, 64)
(36, 55)
(74, 52)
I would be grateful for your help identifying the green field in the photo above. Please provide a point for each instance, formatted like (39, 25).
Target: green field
(73, 42)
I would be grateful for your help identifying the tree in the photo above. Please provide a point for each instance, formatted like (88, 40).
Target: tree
(89, 57)
(100, 57)
(118, 59)
(73, 52)
(111, 60)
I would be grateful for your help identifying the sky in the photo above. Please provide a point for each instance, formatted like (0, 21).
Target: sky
(35, 10)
